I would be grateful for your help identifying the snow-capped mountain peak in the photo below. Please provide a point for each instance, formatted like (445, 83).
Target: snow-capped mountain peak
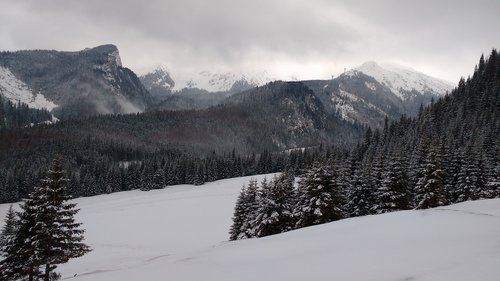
(403, 81)
(223, 81)
(159, 77)
(210, 81)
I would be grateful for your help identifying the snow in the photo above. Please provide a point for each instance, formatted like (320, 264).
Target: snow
(343, 104)
(371, 86)
(400, 79)
(17, 91)
(220, 81)
(179, 233)
(114, 57)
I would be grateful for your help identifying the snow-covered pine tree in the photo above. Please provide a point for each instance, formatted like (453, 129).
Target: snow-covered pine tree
(485, 190)
(244, 212)
(320, 198)
(393, 195)
(417, 159)
(274, 214)
(9, 230)
(248, 228)
(493, 180)
(451, 182)
(7, 243)
(20, 261)
(429, 190)
(239, 215)
(361, 197)
(48, 234)
(158, 181)
(467, 179)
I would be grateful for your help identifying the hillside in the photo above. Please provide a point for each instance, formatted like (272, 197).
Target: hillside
(72, 84)
(179, 233)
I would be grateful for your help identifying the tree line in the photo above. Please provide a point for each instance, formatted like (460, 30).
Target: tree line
(19, 115)
(449, 153)
(94, 168)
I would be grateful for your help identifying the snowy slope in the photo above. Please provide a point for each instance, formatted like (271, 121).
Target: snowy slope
(178, 234)
(17, 91)
(206, 80)
(221, 82)
(403, 80)
(159, 77)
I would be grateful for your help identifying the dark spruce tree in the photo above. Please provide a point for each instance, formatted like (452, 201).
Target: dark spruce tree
(429, 190)
(274, 214)
(320, 198)
(7, 242)
(48, 234)
(9, 230)
(245, 212)
(20, 260)
(361, 196)
(240, 212)
(393, 195)
(251, 208)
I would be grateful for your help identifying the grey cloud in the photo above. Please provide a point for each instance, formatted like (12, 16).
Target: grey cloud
(444, 38)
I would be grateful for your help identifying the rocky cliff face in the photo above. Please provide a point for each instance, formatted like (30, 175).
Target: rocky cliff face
(84, 83)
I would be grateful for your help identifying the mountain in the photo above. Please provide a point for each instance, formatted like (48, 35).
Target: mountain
(294, 116)
(365, 95)
(358, 98)
(404, 82)
(71, 84)
(368, 94)
(198, 91)
(223, 82)
(158, 82)
(17, 91)
(460, 128)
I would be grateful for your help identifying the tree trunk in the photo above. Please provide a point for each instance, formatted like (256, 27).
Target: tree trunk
(47, 273)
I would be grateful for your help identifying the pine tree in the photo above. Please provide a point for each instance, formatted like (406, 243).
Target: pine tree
(158, 181)
(485, 190)
(393, 195)
(429, 188)
(248, 228)
(452, 177)
(361, 196)
(239, 215)
(9, 230)
(48, 234)
(320, 198)
(7, 243)
(20, 261)
(274, 214)
(467, 181)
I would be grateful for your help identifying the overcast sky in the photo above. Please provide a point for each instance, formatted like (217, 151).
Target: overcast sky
(294, 38)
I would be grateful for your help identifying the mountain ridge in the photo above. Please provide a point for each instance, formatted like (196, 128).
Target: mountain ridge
(362, 95)
(403, 81)
(81, 83)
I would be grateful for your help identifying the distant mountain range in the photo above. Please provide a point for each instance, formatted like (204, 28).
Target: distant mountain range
(93, 81)
(366, 94)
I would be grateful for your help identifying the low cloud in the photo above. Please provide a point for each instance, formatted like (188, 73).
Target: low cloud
(299, 38)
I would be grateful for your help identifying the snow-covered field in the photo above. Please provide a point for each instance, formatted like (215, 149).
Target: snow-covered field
(179, 233)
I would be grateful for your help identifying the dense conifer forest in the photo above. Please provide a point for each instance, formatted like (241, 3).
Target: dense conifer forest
(448, 154)
(121, 152)
(20, 115)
